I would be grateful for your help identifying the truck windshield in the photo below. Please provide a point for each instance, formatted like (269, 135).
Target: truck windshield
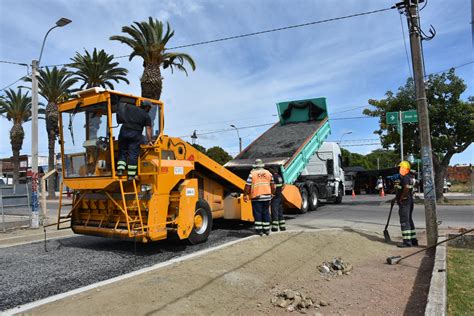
(86, 141)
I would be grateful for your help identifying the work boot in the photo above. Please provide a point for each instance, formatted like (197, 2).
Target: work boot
(131, 178)
(414, 242)
(274, 229)
(267, 232)
(282, 229)
(119, 172)
(404, 245)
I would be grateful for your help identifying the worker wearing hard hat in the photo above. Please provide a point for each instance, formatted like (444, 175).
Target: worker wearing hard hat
(404, 199)
(260, 187)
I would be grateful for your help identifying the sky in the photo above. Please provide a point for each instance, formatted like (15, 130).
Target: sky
(240, 81)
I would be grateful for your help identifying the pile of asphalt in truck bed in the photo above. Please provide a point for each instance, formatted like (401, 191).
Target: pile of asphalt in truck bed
(281, 140)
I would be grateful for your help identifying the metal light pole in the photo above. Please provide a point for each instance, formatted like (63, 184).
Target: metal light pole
(34, 127)
(340, 140)
(238, 135)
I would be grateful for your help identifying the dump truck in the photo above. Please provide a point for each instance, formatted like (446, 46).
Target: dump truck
(295, 147)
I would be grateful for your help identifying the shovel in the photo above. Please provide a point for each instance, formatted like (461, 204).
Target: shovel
(397, 259)
(386, 235)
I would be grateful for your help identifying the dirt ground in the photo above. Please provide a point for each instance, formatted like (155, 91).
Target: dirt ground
(243, 278)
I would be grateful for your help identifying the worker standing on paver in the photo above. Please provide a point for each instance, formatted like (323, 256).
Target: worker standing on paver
(404, 199)
(260, 187)
(133, 120)
(278, 221)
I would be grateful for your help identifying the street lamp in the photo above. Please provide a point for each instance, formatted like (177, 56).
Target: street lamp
(34, 127)
(238, 135)
(343, 136)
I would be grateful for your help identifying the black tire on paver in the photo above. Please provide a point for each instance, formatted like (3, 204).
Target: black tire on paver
(304, 200)
(313, 198)
(200, 234)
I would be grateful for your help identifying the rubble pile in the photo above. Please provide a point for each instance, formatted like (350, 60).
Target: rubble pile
(336, 267)
(296, 301)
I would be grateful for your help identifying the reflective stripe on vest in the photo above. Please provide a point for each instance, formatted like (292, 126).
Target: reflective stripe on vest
(261, 180)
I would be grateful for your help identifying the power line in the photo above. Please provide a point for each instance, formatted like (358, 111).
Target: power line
(11, 84)
(261, 32)
(455, 67)
(268, 124)
(405, 44)
(13, 63)
(283, 28)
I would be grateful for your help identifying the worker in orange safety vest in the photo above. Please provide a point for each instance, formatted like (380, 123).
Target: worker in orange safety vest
(260, 187)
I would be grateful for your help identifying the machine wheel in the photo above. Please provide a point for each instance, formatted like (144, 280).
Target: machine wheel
(202, 223)
(304, 200)
(339, 195)
(313, 199)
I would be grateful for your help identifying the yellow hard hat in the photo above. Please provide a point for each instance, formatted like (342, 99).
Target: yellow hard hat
(404, 164)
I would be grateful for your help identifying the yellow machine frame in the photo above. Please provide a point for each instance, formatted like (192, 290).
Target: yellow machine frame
(179, 189)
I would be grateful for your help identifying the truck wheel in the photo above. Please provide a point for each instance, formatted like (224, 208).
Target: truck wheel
(304, 200)
(313, 199)
(202, 223)
(339, 195)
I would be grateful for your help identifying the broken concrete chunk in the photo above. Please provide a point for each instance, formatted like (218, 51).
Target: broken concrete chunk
(323, 303)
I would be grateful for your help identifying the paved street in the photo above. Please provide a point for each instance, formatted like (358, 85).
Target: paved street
(370, 212)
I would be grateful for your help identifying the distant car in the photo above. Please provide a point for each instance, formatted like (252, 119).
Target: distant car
(446, 186)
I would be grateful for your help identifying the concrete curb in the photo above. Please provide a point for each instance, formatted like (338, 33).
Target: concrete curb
(437, 296)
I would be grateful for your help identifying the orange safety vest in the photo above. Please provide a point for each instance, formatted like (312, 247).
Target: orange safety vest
(261, 183)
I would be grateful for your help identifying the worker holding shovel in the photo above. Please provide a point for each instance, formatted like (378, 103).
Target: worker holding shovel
(404, 199)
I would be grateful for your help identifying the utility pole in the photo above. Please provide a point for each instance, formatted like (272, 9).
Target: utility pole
(34, 145)
(411, 7)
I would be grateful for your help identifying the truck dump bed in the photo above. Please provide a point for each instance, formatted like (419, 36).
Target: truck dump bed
(290, 143)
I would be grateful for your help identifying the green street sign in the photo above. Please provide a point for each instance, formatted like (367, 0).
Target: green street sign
(410, 116)
(392, 117)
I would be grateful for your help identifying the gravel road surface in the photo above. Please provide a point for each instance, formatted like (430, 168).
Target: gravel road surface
(28, 273)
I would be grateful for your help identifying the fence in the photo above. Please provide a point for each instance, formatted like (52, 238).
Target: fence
(15, 205)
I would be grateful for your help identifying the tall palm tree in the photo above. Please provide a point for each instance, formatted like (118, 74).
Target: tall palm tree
(16, 107)
(97, 69)
(148, 41)
(55, 86)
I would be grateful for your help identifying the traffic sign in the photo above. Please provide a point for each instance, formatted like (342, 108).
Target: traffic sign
(392, 117)
(410, 116)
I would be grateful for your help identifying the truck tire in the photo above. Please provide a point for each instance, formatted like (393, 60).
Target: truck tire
(313, 198)
(202, 223)
(304, 200)
(339, 194)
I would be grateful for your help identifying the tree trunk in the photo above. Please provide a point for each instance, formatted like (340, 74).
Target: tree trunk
(151, 81)
(440, 168)
(51, 165)
(52, 129)
(16, 140)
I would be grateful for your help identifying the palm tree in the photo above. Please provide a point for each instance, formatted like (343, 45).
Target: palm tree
(55, 86)
(97, 69)
(148, 41)
(16, 107)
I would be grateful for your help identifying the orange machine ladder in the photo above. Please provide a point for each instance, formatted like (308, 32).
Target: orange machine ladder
(131, 221)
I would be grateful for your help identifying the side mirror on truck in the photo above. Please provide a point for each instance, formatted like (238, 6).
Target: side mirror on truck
(330, 166)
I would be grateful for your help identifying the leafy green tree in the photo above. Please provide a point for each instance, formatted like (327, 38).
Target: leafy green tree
(97, 69)
(16, 107)
(218, 154)
(55, 86)
(148, 40)
(451, 120)
(386, 158)
(200, 148)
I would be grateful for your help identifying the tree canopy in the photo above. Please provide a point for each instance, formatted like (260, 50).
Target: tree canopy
(216, 153)
(451, 123)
